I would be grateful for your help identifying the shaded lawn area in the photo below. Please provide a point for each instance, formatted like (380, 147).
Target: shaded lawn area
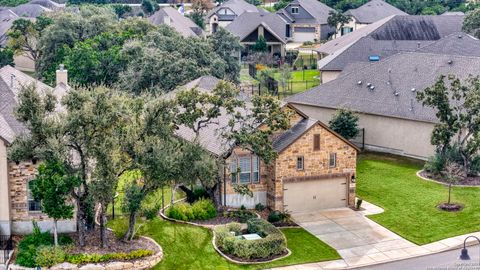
(307, 59)
(410, 202)
(190, 247)
(299, 81)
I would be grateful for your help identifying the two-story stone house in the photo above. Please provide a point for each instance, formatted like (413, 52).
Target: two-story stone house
(17, 206)
(315, 167)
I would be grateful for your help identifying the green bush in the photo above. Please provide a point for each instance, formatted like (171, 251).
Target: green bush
(49, 256)
(272, 243)
(199, 210)
(274, 216)
(64, 240)
(475, 166)
(199, 192)
(259, 207)
(27, 247)
(151, 212)
(96, 258)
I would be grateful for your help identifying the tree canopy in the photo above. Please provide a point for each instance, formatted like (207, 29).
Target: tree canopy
(471, 24)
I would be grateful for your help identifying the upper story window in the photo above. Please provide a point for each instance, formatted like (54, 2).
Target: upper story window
(245, 169)
(33, 205)
(300, 163)
(333, 160)
(294, 10)
(316, 142)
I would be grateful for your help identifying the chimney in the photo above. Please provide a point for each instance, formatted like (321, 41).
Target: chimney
(62, 75)
(12, 80)
(166, 20)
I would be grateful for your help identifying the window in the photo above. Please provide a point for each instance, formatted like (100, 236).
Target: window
(300, 163)
(316, 142)
(255, 169)
(233, 170)
(346, 30)
(294, 10)
(245, 169)
(333, 160)
(33, 205)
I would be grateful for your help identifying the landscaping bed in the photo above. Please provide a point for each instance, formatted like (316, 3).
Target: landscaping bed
(466, 181)
(225, 216)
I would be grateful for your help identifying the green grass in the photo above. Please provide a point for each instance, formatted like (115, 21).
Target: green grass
(245, 77)
(300, 81)
(306, 59)
(410, 202)
(190, 247)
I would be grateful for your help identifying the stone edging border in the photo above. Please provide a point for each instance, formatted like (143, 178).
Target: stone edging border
(240, 262)
(441, 183)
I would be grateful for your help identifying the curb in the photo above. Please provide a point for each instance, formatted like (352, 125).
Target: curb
(442, 183)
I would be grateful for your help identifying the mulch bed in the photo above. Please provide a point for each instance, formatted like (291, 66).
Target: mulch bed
(286, 223)
(256, 260)
(115, 245)
(222, 218)
(452, 207)
(467, 181)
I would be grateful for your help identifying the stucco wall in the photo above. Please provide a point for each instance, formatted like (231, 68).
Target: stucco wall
(327, 76)
(316, 162)
(353, 24)
(4, 202)
(386, 134)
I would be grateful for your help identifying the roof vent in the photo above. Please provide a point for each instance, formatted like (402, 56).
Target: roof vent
(372, 87)
(359, 82)
(396, 93)
(413, 89)
(12, 79)
(418, 44)
(411, 105)
(460, 36)
(450, 62)
(374, 58)
(369, 84)
(389, 70)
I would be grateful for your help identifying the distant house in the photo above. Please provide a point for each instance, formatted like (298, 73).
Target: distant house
(375, 42)
(17, 206)
(307, 20)
(315, 167)
(251, 25)
(368, 13)
(227, 12)
(171, 17)
(384, 95)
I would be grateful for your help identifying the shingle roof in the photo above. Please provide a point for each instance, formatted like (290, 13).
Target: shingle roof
(249, 21)
(10, 86)
(387, 37)
(455, 44)
(291, 135)
(317, 9)
(180, 23)
(237, 6)
(6, 20)
(48, 4)
(373, 11)
(30, 10)
(399, 73)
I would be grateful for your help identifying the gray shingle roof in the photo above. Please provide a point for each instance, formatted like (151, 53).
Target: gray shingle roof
(30, 10)
(291, 135)
(399, 73)
(249, 21)
(387, 37)
(48, 4)
(6, 20)
(455, 44)
(237, 6)
(317, 9)
(180, 23)
(10, 86)
(373, 11)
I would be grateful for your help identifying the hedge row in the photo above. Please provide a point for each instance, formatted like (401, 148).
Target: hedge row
(273, 241)
(200, 210)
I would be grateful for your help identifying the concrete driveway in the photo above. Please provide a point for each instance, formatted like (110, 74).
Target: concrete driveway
(356, 238)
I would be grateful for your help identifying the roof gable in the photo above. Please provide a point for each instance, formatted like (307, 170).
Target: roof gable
(180, 23)
(245, 24)
(373, 11)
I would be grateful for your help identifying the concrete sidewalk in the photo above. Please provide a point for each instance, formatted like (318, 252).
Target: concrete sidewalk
(362, 242)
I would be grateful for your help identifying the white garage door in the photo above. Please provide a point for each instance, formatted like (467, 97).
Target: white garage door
(302, 36)
(315, 195)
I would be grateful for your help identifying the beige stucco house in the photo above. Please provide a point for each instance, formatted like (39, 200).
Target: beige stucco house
(17, 207)
(384, 95)
(315, 167)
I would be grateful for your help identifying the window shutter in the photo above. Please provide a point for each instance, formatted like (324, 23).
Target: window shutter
(316, 142)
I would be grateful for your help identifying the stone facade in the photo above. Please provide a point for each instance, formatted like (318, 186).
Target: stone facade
(283, 169)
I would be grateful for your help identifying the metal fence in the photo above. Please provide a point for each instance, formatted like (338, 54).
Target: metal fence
(6, 247)
(360, 139)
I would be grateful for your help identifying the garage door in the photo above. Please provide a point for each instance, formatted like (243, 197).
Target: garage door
(302, 34)
(315, 195)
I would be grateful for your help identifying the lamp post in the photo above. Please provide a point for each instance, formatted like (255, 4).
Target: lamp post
(464, 254)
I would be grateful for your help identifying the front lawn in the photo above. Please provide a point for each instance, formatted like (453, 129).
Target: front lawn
(410, 202)
(190, 247)
(301, 80)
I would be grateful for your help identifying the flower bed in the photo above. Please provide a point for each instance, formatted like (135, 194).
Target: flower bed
(199, 210)
(271, 245)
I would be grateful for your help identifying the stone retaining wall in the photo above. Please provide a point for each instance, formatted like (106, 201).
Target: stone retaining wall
(138, 264)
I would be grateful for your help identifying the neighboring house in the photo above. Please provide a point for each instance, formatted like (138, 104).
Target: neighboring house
(251, 25)
(368, 13)
(227, 12)
(7, 17)
(307, 20)
(375, 42)
(384, 96)
(315, 167)
(171, 17)
(17, 206)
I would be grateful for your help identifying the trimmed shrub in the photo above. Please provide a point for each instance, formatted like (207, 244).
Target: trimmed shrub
(64, 240)
(259, 207)
(272, 243)
(96, 258)
(274, 216)
(199, 210)
(151, 212)
(27, 247)
(50, 256)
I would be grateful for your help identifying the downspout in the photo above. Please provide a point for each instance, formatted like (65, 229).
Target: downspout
(224, 186)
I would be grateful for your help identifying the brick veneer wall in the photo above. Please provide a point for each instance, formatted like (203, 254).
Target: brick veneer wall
(316, 163)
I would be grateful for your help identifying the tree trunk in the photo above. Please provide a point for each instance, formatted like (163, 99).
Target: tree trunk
(131, 227)
(172, 200)
(55, 232)
(80, 224)
(449, 192)
(214, 195)
(103, 238)
(188, 192)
